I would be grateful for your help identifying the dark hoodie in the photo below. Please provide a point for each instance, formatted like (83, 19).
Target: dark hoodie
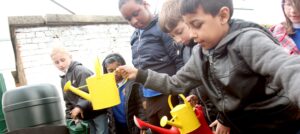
(77, 74)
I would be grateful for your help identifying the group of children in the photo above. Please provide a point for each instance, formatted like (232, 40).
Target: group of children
(249, 78)
(247, 82)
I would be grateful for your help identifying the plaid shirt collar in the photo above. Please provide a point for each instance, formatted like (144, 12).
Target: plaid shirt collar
(280, 33)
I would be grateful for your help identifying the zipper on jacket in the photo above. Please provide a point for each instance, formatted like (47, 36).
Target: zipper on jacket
(221, 94)
(137, 49)
(211, 70)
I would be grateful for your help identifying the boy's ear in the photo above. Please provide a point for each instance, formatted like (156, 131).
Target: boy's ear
(224, 14)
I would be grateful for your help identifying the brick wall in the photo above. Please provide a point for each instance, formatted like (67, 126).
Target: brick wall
(86, 37)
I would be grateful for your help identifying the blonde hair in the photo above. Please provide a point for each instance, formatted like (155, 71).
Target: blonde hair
(169, 15)
(58, 48)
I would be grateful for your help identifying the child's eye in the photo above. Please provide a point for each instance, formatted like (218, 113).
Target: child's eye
(135, 13)
(63, 60)
(110, 70)
(197, 24)
(179, 32)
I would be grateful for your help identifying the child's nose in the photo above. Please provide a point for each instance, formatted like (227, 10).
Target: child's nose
(193, 35)
(60, 64)
(177, 39)
(133, 20)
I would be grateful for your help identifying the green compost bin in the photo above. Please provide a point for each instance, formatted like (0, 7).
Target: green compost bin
(2, 90)
(32, 106)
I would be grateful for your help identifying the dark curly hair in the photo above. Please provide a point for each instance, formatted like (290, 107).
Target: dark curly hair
(111, 58)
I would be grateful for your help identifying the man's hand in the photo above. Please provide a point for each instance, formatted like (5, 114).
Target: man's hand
(75, 111)
(221, 129)
(127, 72)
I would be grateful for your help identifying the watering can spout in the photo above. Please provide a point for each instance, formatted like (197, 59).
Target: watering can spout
(141, 124)
(164, 121)
(68, 86)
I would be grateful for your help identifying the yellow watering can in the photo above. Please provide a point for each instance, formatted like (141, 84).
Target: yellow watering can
(103, 91)
(183, 117)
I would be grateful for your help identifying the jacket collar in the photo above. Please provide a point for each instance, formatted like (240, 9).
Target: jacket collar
(73, 64)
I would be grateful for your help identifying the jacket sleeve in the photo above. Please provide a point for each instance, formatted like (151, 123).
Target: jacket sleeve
(80, 78)
(140, 98)
(222, 119)
(267, 58)
(186, 78)
(172, 50)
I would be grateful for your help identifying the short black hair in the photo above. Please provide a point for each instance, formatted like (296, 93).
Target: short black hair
(122, 2)
(111, 58)
(209, 6)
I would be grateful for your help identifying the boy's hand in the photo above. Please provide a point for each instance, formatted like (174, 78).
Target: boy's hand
(75, 112)
(143, 132)
(127, 72)
(144, 105)
(221, 129)
(193, 99)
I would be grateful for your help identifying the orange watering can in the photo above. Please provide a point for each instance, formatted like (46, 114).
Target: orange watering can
(103, 91)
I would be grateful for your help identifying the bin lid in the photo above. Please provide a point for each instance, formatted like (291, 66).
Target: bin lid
(29, 93)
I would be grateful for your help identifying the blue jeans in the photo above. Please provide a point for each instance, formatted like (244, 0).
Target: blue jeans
(99, 124)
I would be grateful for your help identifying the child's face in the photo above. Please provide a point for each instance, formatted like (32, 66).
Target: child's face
(205, 29)
(62, 61)
(137, 15)
(291, 12)
(111, 68)
(181, 33)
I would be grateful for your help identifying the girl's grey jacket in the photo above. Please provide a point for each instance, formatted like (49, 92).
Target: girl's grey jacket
(253, 82)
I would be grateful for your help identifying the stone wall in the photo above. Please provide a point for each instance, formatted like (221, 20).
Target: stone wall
(86, 37)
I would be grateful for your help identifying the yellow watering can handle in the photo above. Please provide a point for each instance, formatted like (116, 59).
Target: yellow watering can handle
(183, 98)
(170, 102)
(98, 68)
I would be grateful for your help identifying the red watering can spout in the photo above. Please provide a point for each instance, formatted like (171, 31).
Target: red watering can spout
(141, 124)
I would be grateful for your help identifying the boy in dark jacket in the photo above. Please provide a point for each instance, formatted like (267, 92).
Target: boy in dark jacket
(131, 99)
(76, 107)
(151, 49)
(171, 22)
(253, 82)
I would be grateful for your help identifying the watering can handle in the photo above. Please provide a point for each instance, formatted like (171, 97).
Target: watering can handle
(170, 102)
(98, 68)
